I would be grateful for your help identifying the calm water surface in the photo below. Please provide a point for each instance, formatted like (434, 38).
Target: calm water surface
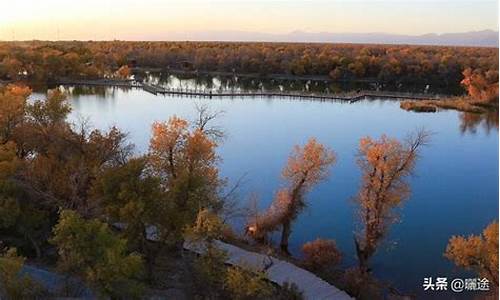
(455, 190)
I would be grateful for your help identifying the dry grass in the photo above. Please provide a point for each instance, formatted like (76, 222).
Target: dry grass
(418, 106)
(464, 104)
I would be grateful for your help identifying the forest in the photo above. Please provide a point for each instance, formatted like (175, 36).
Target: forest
(78, 201)
(46, 61)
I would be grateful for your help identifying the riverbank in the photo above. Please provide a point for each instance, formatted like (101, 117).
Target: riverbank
(463, 104)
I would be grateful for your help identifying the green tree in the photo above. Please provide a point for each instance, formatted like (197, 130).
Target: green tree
(133, 198)
(89, 249)
(246, 284)
(19, 217)
(13, 284)
(209, 267)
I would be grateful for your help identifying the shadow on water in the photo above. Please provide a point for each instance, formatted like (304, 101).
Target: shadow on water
(469, 122)
(283, 83)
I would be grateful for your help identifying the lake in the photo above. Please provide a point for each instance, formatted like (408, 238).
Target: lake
(454, 190)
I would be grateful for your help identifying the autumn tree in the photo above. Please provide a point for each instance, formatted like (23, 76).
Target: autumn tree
(12, 109)
(306, 167)
(63, 172)
(11, 68)
(63, 160)
(385, 165)
(19, 216)
(123, 72)
(89, 249)
(481, 87)
(321, 254)
(48, 164)
(186, 161)
(478, 253)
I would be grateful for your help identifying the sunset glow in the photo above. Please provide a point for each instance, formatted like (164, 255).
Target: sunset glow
(164, 20)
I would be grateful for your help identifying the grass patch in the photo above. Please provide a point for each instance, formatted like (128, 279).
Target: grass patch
(464, 104)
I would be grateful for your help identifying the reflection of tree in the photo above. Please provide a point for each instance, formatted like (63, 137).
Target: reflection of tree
(469, 122)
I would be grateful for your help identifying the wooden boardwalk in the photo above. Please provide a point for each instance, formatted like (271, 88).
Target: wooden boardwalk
(349, 97)
(277, 271)
(58, 283)
(159, 90)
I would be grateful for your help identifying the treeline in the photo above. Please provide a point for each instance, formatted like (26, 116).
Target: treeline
(79, 199)
(39, 60)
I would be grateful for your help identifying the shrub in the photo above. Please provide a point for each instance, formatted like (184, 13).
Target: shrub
(89, 249)
(361, 285)
(210, 266)
(245, 284)
(320, 254)
(208, 226)
(13, 284)
(289, 291)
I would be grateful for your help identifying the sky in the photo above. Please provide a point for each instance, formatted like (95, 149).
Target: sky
(166, 19)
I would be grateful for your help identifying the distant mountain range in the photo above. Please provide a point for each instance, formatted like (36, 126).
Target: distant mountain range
(484, 38)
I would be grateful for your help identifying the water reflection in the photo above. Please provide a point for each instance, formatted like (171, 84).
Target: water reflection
(469, 122)
(278, 83)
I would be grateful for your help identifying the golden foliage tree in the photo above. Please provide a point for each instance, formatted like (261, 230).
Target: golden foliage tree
(478, 253)
(385, 165)
(306, 167)
(186, 161)
(123, 72)
(481, 86)
(12, 108)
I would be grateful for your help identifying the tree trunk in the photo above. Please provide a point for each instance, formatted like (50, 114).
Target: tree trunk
(38, 251)
(285, 234)
(363, 257)
(149, 255)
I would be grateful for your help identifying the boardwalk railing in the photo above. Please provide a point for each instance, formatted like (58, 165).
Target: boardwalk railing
(157, 89)
(351, 97)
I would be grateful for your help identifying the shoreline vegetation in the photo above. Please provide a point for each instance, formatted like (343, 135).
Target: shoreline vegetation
(395, 64)
(463, 104)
